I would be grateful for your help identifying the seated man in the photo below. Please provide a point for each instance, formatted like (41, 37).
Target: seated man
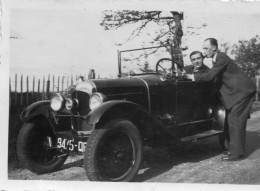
(197, 66)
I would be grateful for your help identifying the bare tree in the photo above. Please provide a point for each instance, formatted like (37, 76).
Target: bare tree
(169, 34)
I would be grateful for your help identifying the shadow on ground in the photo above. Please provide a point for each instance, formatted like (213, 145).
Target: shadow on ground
(158, 161)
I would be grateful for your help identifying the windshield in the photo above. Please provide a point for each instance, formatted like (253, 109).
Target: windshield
(143, 61)
(136, 62)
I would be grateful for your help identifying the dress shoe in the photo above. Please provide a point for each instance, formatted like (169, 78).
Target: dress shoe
(232, 157)
(226, 153)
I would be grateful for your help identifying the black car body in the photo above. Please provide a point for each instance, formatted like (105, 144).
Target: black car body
(110, 120)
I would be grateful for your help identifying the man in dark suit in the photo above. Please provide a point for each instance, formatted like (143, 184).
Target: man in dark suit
(197, 66)
(237, 92)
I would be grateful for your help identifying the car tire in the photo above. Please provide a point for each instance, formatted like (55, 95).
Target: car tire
(33, 151)
(113, 153)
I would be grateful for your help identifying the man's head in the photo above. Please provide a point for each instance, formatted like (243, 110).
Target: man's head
(210, 47)
(196, 58)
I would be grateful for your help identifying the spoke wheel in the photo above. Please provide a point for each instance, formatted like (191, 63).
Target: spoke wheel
(113, 153)
(35, 151)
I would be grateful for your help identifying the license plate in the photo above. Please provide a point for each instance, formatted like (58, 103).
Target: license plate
(71, 145)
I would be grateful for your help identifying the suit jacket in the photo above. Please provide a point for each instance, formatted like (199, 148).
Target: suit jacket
(190, 69)
(232, 83)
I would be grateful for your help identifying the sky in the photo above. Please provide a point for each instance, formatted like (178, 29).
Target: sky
(71, 41)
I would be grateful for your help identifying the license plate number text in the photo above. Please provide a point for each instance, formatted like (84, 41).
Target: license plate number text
(70, 145)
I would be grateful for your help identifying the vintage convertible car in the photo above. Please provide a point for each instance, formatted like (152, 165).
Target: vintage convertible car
(111, 120)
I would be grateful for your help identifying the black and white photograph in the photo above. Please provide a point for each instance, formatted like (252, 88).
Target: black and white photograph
(112, 94)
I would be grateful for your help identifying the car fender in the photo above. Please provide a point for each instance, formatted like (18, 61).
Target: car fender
(40, 108)
(147, 125)
(97, 115)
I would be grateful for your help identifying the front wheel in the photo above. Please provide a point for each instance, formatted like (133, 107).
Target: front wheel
(113, 153)
(35, 150)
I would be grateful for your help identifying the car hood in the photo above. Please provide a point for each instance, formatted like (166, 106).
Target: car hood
(128, 82)
(138, 89)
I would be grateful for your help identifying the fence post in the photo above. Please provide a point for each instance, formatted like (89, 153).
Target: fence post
(62, 83)
(68, 81)
(38, 94)
(21, 101)
(43, 88)
(58, 84)
(53, 83)
(15, 90)
(48, 87)
(27, 90)
(10, 90)
(33, 88)
(91, 74)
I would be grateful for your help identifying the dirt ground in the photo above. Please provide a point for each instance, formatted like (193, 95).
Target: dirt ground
(198, 162)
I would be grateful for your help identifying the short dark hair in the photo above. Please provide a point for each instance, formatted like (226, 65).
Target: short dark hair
(196, 52)
(212, 41)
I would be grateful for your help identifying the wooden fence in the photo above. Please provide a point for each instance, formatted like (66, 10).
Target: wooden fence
(25, 90)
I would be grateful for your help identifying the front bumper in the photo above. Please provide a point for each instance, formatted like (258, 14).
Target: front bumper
(75, 123)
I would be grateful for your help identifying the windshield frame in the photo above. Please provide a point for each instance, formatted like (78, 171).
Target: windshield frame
(119, 54)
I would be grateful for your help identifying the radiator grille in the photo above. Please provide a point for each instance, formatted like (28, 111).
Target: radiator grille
(83, 98)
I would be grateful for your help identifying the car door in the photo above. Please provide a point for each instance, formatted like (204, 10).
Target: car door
(193, 101)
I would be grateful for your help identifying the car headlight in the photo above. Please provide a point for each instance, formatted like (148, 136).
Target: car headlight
(57, 102)
(71, 104)
(96, 100)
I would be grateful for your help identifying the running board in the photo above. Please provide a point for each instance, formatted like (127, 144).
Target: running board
(203, 135)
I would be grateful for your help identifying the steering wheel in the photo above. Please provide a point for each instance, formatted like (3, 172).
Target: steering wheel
(168, 71)
(160, 66)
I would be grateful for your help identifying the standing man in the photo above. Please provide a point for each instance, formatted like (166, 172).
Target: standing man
(237, 93)
(197, 66)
